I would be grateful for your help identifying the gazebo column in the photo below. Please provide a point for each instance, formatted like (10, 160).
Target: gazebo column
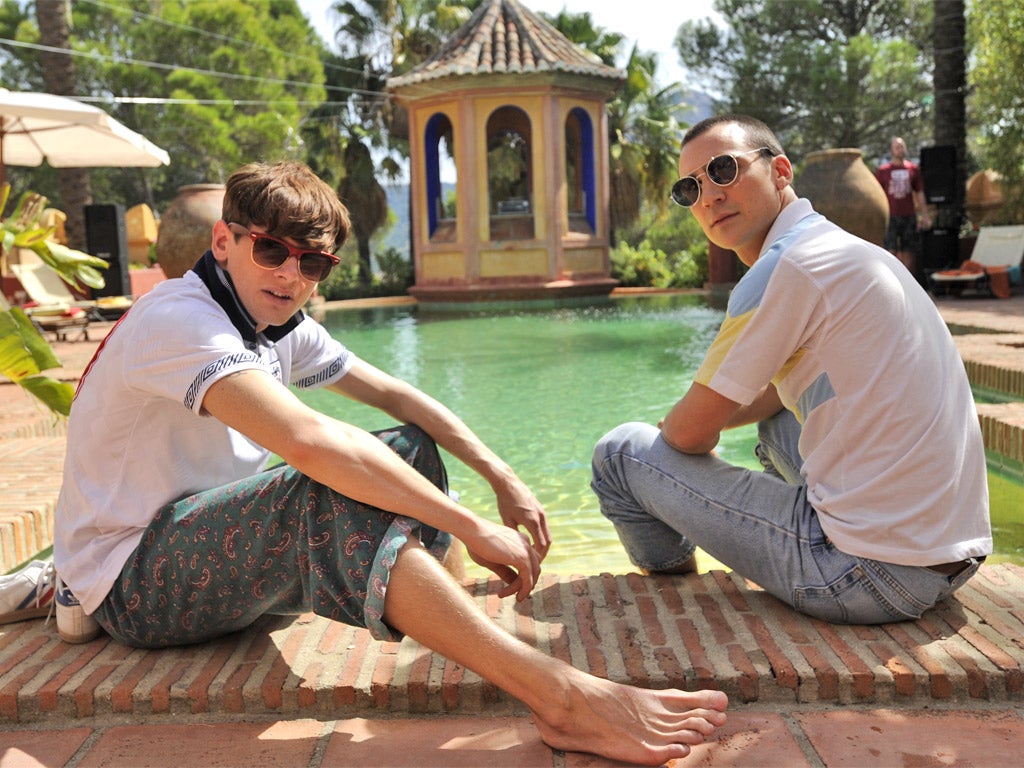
(469, 156)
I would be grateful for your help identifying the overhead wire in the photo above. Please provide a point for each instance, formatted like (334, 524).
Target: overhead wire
(175, 67)
(214, 35)
(372, 96)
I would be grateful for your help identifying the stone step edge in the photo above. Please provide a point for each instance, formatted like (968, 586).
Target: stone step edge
(708, 630)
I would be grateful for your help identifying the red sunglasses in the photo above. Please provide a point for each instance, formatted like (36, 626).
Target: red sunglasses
(270, 252)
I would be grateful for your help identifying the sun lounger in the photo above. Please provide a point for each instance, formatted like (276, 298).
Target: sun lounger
(51, 305)
(66, 324)
(46, 288)
(994, 266)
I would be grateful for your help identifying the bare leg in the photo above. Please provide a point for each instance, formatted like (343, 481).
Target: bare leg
(455, 561)
(907, 257)
(573, 711)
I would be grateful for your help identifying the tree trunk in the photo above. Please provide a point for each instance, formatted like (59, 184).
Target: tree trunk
(950, 85)
(366, 201)
(60, 77)
(365, 267)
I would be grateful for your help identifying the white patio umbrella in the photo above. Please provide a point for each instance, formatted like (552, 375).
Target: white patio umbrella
(67, 134)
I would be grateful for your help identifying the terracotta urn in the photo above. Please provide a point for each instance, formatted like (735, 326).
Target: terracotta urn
(984, 197)
(843, 189)
(186, 227)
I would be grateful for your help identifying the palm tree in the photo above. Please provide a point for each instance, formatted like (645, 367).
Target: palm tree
(950, 86)
(60, 78)
(366, 200)
(644, 141)
(377, 39)
(643, 132)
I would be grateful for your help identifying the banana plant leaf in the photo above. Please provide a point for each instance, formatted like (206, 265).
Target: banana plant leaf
(23, 228)
(24, 355)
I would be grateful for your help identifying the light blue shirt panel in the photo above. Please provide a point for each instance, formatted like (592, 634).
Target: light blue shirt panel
(745, 299)
(819, 392)
(749, 291)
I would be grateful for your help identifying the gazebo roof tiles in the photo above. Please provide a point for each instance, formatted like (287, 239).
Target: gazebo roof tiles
(505, 37)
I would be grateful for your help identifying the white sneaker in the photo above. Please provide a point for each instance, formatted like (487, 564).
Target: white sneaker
(28, 593)
(73, 624)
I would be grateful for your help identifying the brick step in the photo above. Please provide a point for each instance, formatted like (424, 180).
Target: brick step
(709, 630)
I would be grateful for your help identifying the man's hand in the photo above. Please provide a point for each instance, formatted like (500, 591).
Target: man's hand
(508, 554)
(518, 506)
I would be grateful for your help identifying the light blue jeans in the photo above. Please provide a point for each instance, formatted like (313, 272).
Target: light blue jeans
(664, 504)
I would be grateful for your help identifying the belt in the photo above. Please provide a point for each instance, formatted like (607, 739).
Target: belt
(952, 569)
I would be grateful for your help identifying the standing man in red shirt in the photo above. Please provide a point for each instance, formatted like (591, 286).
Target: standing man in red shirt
(904, 187)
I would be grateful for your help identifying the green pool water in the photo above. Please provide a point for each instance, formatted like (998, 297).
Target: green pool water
(541, 386)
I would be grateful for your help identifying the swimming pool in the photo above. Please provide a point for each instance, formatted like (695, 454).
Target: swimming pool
(540, 386)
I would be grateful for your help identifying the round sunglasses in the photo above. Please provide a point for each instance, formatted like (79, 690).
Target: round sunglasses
(270, 252)
(722, 170)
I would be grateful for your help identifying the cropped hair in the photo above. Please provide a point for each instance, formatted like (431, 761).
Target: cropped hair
(287, 200)
(757, 133)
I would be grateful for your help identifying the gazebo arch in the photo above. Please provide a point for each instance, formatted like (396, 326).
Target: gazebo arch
(441, 217)
(509, 177)
(519, 113)
(580, 171)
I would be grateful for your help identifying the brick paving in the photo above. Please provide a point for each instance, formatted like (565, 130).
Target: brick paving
(945, 690)
(700, 631)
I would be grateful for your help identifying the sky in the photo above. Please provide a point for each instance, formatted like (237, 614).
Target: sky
(647, 23)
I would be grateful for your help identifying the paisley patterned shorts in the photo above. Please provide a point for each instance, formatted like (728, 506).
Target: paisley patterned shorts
(277, 542)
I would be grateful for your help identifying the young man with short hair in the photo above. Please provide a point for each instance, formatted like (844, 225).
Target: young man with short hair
(873, 503)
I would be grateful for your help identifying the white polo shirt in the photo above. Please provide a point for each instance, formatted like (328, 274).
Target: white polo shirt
(137, 437)
(892, 448)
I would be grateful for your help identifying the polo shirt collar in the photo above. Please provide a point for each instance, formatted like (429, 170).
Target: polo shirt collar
(218, 282)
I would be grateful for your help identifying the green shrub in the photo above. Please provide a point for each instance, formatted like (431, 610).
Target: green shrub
(667, 251)
(396, 270)
(645, 266)
(393, 279)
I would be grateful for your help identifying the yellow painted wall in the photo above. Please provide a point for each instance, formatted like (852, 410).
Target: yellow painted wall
(584, 259)
(469, 254)
(443, 266)
(517, 263)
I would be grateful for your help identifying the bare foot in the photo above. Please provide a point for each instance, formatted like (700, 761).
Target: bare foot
(635, 725)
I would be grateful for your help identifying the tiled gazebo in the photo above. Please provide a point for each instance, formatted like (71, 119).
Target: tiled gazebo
(517, 112)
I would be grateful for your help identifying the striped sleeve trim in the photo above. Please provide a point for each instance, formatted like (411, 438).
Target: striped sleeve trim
(325, 375)
(213, 369)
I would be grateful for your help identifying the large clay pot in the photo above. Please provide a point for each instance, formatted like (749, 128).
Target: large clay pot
(984, 197)
(186, 228)
(843, 189)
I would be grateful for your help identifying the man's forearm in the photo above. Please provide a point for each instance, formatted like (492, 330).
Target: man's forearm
(764, 406)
